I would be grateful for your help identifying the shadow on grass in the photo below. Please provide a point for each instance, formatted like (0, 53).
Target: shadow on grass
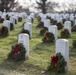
(13, 42)
(21, 66)
(73, 37)
(67, 73)
(10, 65)
(59, 37)
(73, 52)
(22, 24)
(3, 37)
(16, 34)
(43, 47)
(37, 36)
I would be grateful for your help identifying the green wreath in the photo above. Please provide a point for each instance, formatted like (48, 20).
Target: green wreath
(57, 64)
(65, 33)
(48, 17)
(40, 25)
(64, 21)
(72, 23)
(17, 53)
(48, 37)
(43, 31)
(26, 32)
(73, 29)
(38, 18)
(1, 20)
(19, 19)
(4, 31)
(54, 22)
(7, 17)
(11, 26)
(59, 25)
(74, 43)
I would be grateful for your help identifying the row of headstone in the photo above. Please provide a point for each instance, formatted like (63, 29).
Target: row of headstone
(28, 23)
(62, 45)
(13, 16)
(59, 17)
(23, 37)
(53, 28)
(13, 19)
(28, 26)
(67, 25)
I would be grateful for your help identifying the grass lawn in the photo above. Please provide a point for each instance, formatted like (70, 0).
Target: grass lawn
(40, 54)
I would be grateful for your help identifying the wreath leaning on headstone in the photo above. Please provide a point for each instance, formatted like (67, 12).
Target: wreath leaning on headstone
(26, 32)
(19, 19)
(17, 53)
(11, 26)
(65, 33)
(72, 23)
(40, 25)
(4, 31)
(1, 20)
(74, 43)
(38, 18)
(59, 25)
(43, 31)
(73, 29)
(48, 37)
(54, 22)
(57, 64)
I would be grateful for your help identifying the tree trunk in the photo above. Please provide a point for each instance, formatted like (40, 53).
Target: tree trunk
(44, 7)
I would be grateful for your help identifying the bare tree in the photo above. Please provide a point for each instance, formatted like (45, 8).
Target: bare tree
(69, 7)
(72, 7)
(7, 4)
(45, 5)
(42, 5)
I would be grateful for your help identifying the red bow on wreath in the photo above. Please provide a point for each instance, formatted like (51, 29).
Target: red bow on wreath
(54, 60)
(47, 35)
(16, 50)
(25, 32)
(47, 38)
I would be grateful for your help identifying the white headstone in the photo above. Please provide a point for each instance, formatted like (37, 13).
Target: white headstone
(53, 29)
(32, 15)
(16, 18)
(47, 23)
(59, 20)
(41, 15)
(0, 13)
(75, 22)
(24, 39)
(12, 20)
(7, 24)
(3, 16)
(28, 26)
(29, 20)
(67, 25)
(62, 46)
(72, 18)
(20, 15)
(43, 19)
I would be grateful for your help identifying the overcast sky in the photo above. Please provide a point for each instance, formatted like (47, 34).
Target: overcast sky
(27, 3)
(60, 1)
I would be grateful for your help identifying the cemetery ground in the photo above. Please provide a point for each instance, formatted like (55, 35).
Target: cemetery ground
(40, 54)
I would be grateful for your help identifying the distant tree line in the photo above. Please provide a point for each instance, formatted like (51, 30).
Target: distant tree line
(7, 5)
